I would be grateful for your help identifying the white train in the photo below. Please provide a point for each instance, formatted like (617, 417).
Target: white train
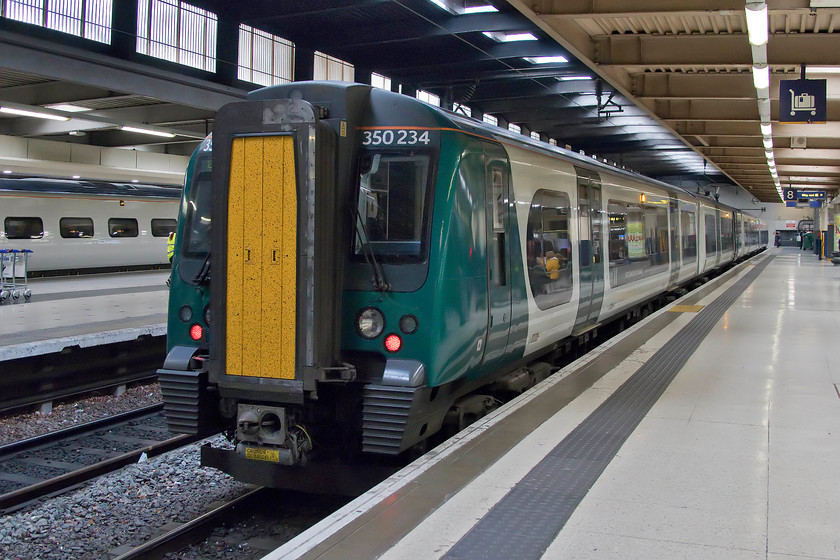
(72, 225)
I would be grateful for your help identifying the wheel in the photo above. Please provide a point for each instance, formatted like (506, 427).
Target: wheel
(15, 294)
(4, 295)
(27, 294)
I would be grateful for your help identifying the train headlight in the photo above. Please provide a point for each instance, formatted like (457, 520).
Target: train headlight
(207, 315)
(370, 323)
(408, 324)
(185, 313)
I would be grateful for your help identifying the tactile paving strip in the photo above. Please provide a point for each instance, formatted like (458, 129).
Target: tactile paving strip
(525, 522)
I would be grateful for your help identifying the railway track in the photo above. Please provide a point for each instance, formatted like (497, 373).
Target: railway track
(53, 463)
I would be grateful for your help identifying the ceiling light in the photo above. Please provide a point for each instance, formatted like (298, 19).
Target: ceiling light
(147, 131)
(545, 59)
(571, 78)
(77, 176)
(761, 76)
(510, 37)
(823, 69)
(67, 107)
(483, 9)
(757, 23)
(766, 129)
(768, 143)
(38, 115)
(76, 133)
(7, 171)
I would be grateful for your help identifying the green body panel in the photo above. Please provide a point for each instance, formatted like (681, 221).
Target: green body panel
(181, 293)
(452, 305)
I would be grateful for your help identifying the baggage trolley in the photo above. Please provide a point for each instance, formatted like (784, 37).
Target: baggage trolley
(14, 281)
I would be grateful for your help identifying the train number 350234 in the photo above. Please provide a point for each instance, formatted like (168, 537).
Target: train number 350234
(396, 137)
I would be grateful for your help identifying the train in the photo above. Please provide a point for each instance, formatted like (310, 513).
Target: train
(379, 268)
(75, 225)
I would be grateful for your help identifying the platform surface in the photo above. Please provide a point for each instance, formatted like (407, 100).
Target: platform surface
(84, 310)
(737, 459)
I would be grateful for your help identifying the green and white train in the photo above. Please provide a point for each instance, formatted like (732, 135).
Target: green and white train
(379, 266)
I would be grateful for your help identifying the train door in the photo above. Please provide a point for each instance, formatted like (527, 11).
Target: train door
(676, 249)
(590, 249)
(497, 182)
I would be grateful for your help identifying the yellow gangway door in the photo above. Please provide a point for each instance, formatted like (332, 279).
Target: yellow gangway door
(262, 258)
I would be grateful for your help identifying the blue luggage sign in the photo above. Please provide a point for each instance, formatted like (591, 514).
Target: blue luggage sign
(802, 101)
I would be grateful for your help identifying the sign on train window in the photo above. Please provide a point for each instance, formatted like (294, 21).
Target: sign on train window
(122, 227)
(23, 228)
(75, 228)
(162, 227)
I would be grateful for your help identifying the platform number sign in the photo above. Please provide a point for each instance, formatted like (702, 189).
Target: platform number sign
(790, 195)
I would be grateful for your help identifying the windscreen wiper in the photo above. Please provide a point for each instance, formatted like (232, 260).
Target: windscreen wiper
(378, 280)
(204, 272)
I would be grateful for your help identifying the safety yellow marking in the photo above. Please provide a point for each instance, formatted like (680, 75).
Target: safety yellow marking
(235, 262)
(686, 308)
(262, 258)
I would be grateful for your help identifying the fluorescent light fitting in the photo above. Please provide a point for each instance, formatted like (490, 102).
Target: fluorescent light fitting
(510, 37)
(545, 59)
(766, 129)
(23, 113)
(761, 76)
(573, 78)
(67, 107)
(757, 29)
(483, 9)
(7, 171)
(768, 143)
(77, 176)
(147, 131)
(822, 69)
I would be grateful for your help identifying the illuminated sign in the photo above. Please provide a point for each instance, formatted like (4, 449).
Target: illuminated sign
(811, 195)
(802, 101)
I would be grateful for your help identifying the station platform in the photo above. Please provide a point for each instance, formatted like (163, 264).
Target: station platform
(84, 310)
(710, 430)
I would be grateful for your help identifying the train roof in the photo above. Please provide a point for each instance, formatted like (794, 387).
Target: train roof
(388, 108)
(92, 188)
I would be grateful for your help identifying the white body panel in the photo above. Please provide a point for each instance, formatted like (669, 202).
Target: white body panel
(532, 171)
(52, 252)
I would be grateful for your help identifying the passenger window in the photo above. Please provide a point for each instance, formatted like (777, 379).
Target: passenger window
(122, 227)
(23, 228)
(711, 233)
(162, 227)
(638, 241)
(688, 228)
(549, 250)
(75, 228)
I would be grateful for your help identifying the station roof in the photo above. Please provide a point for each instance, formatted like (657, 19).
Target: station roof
(664, 87)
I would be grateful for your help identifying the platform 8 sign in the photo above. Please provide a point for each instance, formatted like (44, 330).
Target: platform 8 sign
(802, 101)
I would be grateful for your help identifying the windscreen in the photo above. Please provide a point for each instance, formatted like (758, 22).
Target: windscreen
(196, 243)
(390, 221)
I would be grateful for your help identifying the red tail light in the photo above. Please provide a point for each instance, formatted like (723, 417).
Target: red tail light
(393, 343)
(196, 332)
